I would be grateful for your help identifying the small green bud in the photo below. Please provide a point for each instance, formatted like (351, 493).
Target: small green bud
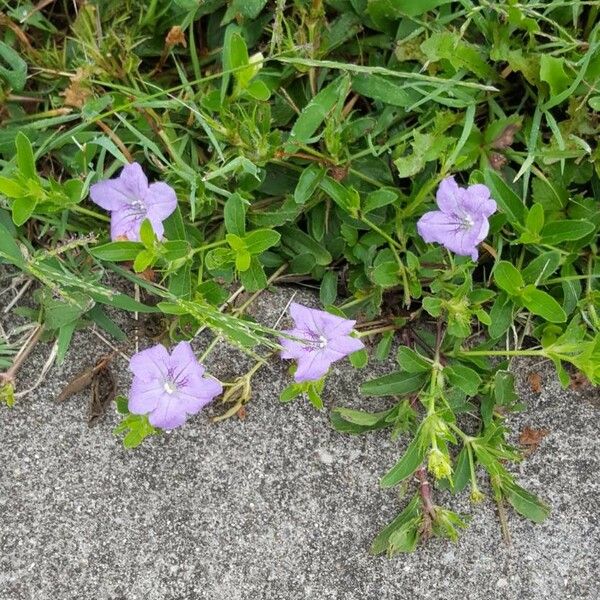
(7, 394)
(477, 496)
(439, 465)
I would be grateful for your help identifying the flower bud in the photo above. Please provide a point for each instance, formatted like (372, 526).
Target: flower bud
(439, 465)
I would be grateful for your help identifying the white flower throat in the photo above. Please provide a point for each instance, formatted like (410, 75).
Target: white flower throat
(170, 387)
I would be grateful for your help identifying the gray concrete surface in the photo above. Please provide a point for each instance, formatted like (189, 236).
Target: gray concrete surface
(277, 506)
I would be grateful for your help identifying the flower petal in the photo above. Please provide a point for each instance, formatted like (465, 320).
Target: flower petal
(149, 364)
(291, 348)
(169, 413)
(161, 201)
(125, 224)
(144, 396)
(343, 346)
(437, 226)
(312, 366)
(477, 201)
(463, 242)
(332, 325)
(110, 194)
(183, 362)
(448, 195)
(135, 181)
(303, 317)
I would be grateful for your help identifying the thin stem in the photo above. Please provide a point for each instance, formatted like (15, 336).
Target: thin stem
(9, 375)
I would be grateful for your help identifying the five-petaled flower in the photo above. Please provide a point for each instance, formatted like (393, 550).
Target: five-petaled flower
(168, 388)
(322, 339)
(130, 200)
(461, 222)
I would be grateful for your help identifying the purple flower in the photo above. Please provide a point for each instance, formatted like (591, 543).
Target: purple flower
(130, 200)
(462, 221)
(326, 338)
(168, 388)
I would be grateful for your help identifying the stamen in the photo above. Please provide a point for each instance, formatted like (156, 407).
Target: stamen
(170, 387)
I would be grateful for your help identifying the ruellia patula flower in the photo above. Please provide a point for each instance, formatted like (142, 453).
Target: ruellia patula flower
(461, 223)
(130, 200)
(169, 387)
(322, 339)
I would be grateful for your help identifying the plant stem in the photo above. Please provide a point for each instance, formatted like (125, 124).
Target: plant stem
(9, 375)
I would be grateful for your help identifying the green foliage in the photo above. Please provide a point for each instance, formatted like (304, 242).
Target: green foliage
(305, 143)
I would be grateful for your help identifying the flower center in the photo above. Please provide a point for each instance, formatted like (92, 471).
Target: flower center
(170, 386)
(466, 221)
(314, 340)
(138, 207)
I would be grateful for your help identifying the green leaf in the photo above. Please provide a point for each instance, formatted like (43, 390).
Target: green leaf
(383, 89)
(11, 188)
(541, 267)
(22, 209)
(308, 183)
(59, 311)
(386, 274)
(301, 243)
(259, 240)
(9, 250)
(462, 471)
(347, 199)
(508, 278)
(542, 304)
(235, 215)
(347, 420)
(329, 288)
(504, 388)
(117, 251)
(501, 315)
(25, 160)
(402, 534)
(525, 503)
(552, 71)
(317, 110)
(290, 392)
(13, 69)
(395, 9)
(535, 218)
(314, 397)
(359, 359)
(246, 8)
(411, 460)
(509, 203)
(394, 384)
(379, 198)
(411, 361)
(143, 260)
(136, 429)
(147, 234)
(243, 259)
(253, 278)
(463, 378)
(564, 231)
(450, 46)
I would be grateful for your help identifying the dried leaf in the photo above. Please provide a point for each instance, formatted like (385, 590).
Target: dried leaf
(579, 381)
(103, 393)
(535, 382)
(241, 413)
(507, 137)
(497, 160)
(83, 379)
(176, 37)
(532, 437)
